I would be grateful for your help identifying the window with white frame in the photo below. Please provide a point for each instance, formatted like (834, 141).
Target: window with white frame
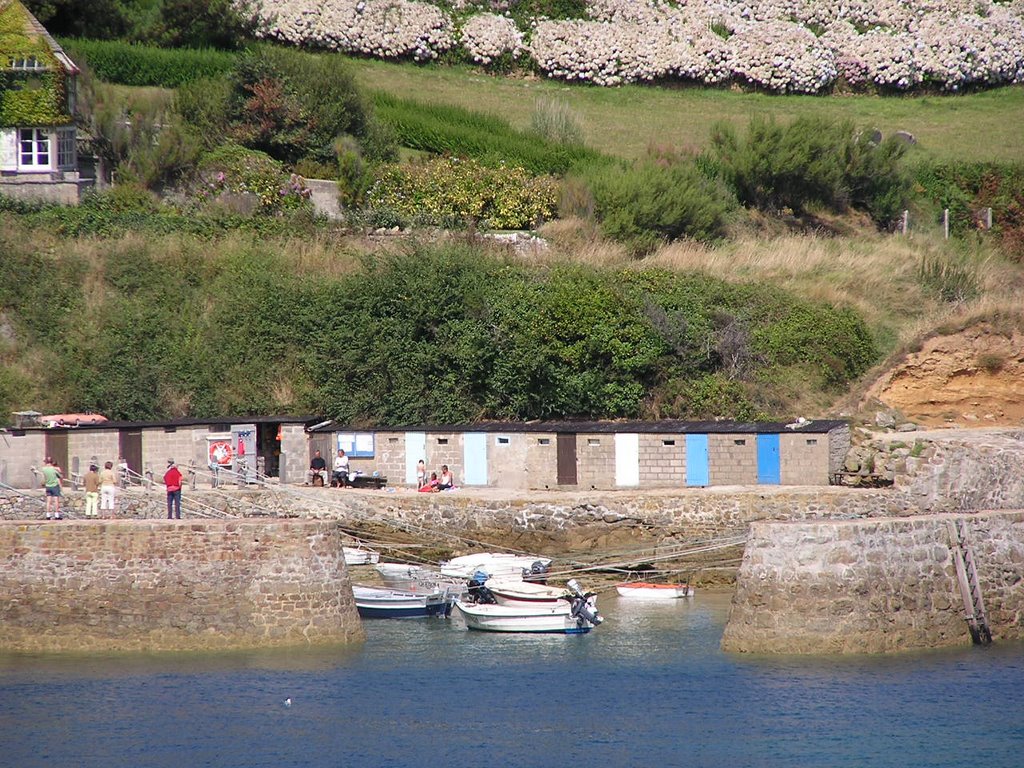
(26, 63)
(34, 149)
(66, 147)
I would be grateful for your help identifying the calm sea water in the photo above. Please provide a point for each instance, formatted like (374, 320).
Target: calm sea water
(648, 688)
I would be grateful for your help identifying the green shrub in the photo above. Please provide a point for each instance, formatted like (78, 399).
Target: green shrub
(967, 189)
(646, 204)
(451, 191)
(138, 135)
(441, 129)
(195, 23)
(813, 161)
(240, 171)
(292, 104)
(203, 105)
(122, 199)
(145, 65)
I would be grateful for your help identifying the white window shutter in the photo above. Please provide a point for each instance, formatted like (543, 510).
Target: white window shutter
(8, 149)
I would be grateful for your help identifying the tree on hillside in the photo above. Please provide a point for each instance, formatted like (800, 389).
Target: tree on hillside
(184, 23)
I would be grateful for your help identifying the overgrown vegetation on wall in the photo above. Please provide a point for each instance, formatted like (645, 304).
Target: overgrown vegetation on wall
(164, 326)
(29, 97)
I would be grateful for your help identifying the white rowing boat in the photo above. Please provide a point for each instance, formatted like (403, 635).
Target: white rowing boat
(642, 590)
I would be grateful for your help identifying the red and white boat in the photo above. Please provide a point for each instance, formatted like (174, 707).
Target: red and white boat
(645, 590)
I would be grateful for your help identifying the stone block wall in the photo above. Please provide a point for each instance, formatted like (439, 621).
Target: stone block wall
(85, 445)
(63, 188)
(295, 453)
(508, 460)
(595, 460)
(803, 462)
(870, 586)
(183, 444)
(662, 460)
(541, 459)
(732, 459)
(167, 585)
(445, 448)
(390, 457)
(18, 454)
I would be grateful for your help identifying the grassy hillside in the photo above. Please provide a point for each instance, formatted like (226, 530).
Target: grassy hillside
(140, 311)
(627, 120)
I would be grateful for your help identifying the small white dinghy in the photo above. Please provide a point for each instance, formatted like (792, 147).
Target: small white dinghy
(643, 590)
(496, 564)
(360, 556)
(574, 615)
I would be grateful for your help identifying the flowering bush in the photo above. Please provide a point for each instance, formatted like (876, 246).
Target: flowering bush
(388, 29)
(783, 45)
(449, 191)
(487, 36)
(239, 171)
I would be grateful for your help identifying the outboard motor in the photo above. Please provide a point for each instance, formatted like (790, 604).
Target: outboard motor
(582, 607)
(478, 593)
(536, 573)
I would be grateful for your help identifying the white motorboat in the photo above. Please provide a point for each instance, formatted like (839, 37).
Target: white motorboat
(643, 590)
(525, 593)
(387, 603)
(495, 564)
(575, 614)
(399, 574)
(360, 556)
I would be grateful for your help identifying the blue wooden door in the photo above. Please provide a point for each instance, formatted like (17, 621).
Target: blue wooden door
(415, 449)
(474, 458)
(769, 468)
(697, 471)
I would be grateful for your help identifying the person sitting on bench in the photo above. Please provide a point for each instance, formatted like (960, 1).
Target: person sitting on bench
(318, 469)
(340, 469)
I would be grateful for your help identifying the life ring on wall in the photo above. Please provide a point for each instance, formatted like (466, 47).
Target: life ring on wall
(220, 452)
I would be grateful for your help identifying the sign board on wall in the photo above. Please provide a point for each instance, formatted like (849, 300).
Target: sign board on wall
(358, 445)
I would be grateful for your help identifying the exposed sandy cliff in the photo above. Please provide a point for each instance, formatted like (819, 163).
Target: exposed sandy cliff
(971, 378)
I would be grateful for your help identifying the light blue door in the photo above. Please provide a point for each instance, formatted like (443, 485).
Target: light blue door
(415, 449)
(474, 457)
(769, 468)
(697, 471)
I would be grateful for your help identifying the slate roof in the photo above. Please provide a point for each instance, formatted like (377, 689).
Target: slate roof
(665, 426)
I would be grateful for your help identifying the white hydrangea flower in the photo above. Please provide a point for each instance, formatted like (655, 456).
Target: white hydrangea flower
(486, 36)
(773, 43)
(387, 29)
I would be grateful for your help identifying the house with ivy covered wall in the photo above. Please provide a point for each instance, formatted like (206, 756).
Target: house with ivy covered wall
(38, 156)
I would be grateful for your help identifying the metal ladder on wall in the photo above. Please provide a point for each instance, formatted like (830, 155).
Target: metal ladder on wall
(967, 576)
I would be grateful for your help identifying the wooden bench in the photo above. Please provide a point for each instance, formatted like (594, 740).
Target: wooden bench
(857, 480)
(367, 481)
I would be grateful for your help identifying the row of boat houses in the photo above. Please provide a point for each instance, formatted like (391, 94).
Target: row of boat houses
(503, 455)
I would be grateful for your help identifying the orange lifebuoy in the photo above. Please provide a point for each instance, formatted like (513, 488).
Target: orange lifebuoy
(220, 452)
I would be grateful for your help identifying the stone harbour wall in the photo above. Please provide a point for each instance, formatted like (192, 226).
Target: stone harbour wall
(173, 585)
(872, 586)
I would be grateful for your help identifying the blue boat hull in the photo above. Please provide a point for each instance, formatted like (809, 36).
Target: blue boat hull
(415, 612)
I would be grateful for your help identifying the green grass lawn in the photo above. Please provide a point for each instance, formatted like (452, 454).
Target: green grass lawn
(626, 121)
